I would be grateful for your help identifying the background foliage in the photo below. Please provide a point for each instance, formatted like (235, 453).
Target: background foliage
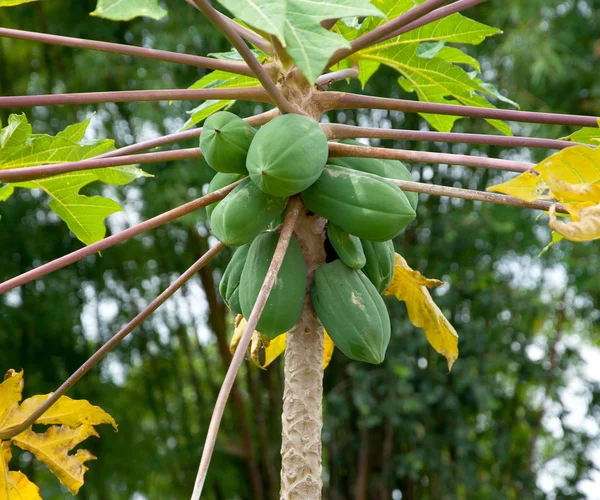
(500, 425)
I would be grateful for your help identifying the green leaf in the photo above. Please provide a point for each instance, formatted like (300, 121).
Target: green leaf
(296, 23)
(125, 10)
(216, 79)
(586, 135)
(12, 3)
(84, 215)
(457, 56)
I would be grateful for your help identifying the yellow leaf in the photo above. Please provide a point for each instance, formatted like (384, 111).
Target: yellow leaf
(10, 394)
(527, 186)
(274, 350)
(566, 192)
(66, 411)
(53, 447)
(586, 228)
(328, 346)
(575, 165)
(411, 287)
(22, 488)
(238, 331)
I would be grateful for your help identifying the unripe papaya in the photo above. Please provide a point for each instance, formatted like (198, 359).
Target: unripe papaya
(219, 181)
(225, 141)
(352, 312)
(285, 301)
(362, 204)
(287, 155)
(392, 169)
(230, 282)
(348, 248)
(244, 213)
(379, 267)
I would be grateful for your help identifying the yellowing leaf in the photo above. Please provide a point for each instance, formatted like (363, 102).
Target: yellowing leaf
(328, 346)
(10, 394)
(585, 225)
(20, 488)
(411, 287)
(53, 447)
(273, 350)
(566, 192)
(528, 186)
(12, 3)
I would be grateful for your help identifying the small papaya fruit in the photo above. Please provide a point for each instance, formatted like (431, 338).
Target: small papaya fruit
(219, 181)
(362, 204)
(284, 305)
(379, 267)
(287, 155)
(230, 282)
(225, 141)
(392, 169)
(352, 312)
(348, 248)
(244, 213)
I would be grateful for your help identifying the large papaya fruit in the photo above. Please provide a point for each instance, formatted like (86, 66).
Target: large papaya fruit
(348, 248)
(352, 312)
(392, 169)
(225, 141)
(287, 155)
(284, 305)
(379, 267)
(362, 204)
(244, 213)
(230, 282)
(219, 181)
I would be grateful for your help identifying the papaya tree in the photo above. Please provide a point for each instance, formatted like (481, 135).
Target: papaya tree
(312, 211)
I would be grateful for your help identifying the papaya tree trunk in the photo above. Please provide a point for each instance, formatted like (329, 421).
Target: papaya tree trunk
(302, 418)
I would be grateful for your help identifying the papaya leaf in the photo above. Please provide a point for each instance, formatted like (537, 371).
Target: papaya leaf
(584, 225)
(71, 422)
(216, 79)
(121, 10)
(411, 287)
(12, 3)
(296, 23)
(586, 135)
(84, 215)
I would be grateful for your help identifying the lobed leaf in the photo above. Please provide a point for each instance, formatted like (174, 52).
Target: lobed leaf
(125, 10)
(586, 135)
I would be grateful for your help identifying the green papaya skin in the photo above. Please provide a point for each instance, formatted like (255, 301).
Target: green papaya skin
(392, 169)
(230, 282)
(352, 312)
(348, 248)
(362, 204)
(287, 155)
(379, 267)
(219, 181)
(284, 305)
(244, 213)
(225, 141)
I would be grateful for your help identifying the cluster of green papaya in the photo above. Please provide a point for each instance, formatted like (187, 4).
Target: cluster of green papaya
(289, 156)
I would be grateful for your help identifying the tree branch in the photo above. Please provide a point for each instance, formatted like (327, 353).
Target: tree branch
(127, 234)
(373, 36)
(335, 131)
(213, 16)
(257, 94)
(432, 16)
(292, 212)
(343, 100)
(161, 55)
(470, 194)
(108, 346)
(337, 150)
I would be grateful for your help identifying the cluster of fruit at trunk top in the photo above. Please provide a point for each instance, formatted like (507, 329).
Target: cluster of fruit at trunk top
(289, 156)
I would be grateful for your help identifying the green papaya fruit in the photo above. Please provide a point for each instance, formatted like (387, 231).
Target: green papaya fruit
(225, 141)
(230, 282)
(379, 267)
(219, 181)
(348, 248)
(392, 169)
(362, 204)
(244, 213)
(285, 301)
(287, 155)
(352, 312)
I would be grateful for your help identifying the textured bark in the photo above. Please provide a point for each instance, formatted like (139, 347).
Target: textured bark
(303, 391)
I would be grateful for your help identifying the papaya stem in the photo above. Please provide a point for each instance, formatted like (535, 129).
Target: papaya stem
(213, 16)
(257, 94)
(344, 100)
(335, 131)
(125, 235)
(337, 76)
(237, 67)
(292, 211)
(110, 344)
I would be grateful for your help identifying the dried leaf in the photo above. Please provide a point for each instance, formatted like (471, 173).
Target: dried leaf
(411, 287)
(53, 447)
(585, 228)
